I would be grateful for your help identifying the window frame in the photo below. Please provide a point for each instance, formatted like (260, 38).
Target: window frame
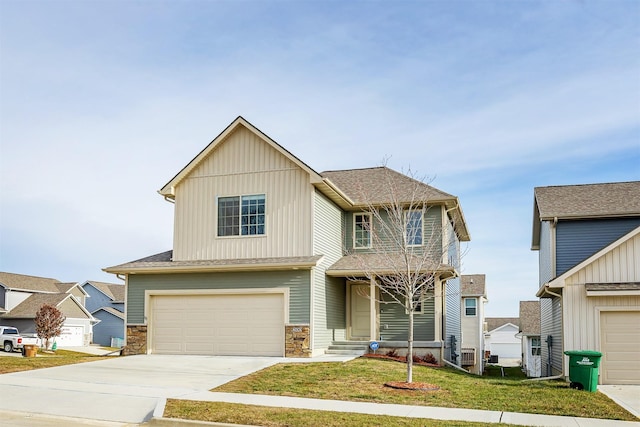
(238, 225)
(420, 309)
(536, 346)
(475, 307)
(354, 237)
(408, 213)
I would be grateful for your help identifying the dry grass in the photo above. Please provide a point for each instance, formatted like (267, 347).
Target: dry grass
(44, 360)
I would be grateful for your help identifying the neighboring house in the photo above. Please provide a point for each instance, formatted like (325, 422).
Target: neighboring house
(588, 238)
(474, 298)
(502, 341)
(22, 296)
(105, 301)
(260, 264)
(531, 341)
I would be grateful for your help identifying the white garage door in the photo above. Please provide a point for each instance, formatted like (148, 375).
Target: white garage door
(620, 343)
(70, 336)
(506, 350)
(230, 325)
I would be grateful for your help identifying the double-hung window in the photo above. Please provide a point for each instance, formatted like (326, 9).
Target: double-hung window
(470, 306)
(414, 228)
(241, 215)
(361, 231)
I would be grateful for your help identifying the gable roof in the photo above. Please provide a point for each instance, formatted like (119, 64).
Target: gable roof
(586, 201)
(473, 285)
(558, 282)
(28, 308)
(168, 190)
(498, 322)
(382, 185)
(115, 292)
(530, 317)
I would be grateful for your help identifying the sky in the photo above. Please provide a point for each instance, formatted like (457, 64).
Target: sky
(103, 102)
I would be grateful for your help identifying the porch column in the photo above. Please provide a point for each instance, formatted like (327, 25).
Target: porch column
(372, 309)
(438, 295)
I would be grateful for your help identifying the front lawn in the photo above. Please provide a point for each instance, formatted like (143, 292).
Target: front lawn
(44, 360)
(363, 380)
(233, 413)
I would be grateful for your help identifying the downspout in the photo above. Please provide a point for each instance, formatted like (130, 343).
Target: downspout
(446, 362)
(170, 200)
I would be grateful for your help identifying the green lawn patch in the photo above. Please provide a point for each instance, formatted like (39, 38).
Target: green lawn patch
(234, 413)
(44, 360)
(363, 380)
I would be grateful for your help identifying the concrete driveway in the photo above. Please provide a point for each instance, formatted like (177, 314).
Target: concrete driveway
(123, 389)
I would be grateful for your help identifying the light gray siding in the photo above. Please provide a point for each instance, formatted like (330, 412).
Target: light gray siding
(109, 327)
(329, 293)
(394, 321)
(551, 325)
(545, 254)
(297, 281)
(578, 240)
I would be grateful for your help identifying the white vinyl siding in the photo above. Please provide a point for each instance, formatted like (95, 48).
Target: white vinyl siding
(244, 164)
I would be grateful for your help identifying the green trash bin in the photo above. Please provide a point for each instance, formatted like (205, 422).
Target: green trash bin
(583, 369)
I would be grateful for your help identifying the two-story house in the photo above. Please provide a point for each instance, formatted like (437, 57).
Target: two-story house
(105, 302)
(262, 260)
(474, 298)
(21, 296)
(588, 238)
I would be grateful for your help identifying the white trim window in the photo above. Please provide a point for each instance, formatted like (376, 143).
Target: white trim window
(419, 304)
(361, 230)
(535, 346)
(414, 227)
(470, 307)
(241, 215)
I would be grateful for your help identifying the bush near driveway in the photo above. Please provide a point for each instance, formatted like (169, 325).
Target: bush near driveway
(363, 380)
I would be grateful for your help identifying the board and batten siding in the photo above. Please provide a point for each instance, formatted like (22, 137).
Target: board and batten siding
(578, 240)
(545, 254)
(297, 281)
(619, 265)
(244, 164)
(329, 293)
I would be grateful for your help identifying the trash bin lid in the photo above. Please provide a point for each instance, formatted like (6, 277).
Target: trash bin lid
(583, 353)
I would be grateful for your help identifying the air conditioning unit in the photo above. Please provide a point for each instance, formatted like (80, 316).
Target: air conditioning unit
(493, 358)
(468, 356)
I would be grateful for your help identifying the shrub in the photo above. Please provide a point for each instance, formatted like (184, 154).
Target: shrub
(392, 353)
(430, 358)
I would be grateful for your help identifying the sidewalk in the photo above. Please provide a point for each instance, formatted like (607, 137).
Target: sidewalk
(452, 414)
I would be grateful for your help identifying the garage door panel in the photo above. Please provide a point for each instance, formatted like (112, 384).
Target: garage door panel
(247, 324)
(620, 345)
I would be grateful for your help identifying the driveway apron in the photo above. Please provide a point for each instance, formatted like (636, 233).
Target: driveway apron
(124, 389)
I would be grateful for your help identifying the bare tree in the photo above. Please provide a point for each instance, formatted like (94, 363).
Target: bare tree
(409, 248)
(49, 321)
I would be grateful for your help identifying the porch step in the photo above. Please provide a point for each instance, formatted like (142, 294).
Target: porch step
(354, 348)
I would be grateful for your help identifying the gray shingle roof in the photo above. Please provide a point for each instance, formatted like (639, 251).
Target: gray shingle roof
(473, 285)
(530, 317)
(589, 200)
(110, 310)
(628, 286)
(163, 261)
(377, 185)
(30, 283)
(496, 322)
(28, 308)
(358, 264)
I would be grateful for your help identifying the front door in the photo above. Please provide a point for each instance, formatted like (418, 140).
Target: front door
(360, 311)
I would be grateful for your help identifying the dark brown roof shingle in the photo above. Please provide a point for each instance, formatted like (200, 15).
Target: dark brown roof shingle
(530, 317)
(473, 285)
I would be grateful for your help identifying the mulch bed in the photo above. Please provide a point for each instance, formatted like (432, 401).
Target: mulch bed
(401, 359)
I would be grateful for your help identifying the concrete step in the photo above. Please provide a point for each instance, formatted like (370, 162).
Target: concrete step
(356, 348)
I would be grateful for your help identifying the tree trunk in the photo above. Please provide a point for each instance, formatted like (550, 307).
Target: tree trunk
(410, 348)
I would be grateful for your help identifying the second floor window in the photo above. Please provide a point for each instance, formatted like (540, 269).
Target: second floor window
(241, 215)
(414, 228)
(470, 306)
(361, 231)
